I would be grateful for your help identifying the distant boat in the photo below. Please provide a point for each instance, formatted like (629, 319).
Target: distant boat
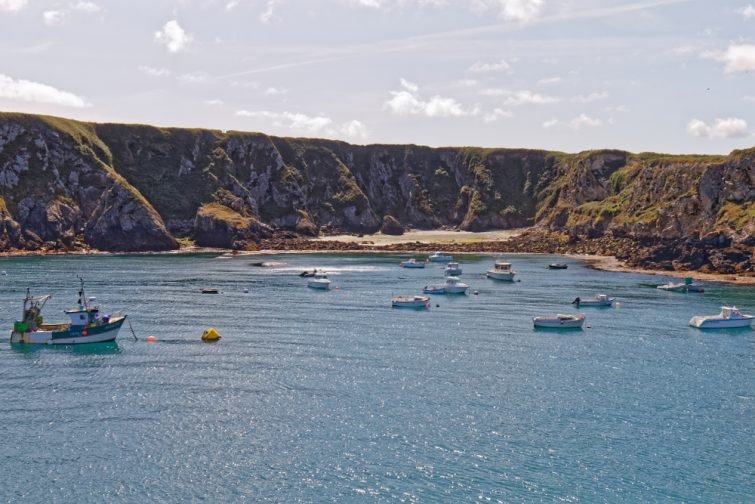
(559, 321)
(411, 263)
(411, 302)
(729, 317)
(501, 271)
(209, 291)
(440, 257)
(319, 281)
(87, 324)
(598, 300)
(452, 286)
(558, 266)
(452, 269)
(687, 286)
(308, 274)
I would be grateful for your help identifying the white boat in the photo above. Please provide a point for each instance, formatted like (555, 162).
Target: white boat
(559, 321)
(411, 302)
(452, 269)
(452, 286)
(319, 281)
(687, 286)
(87, 324)
(440, 257)
(598, 300)
(412, 263)
(729, 317)
(501, 271)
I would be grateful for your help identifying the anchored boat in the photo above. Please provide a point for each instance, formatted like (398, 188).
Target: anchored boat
(452, 286)
(411, 263)
(729, 317)
(597, 300)
(559, 321)
(411, 302)
(87, 324)
(440, 257)
(452, 269)
(501, 271)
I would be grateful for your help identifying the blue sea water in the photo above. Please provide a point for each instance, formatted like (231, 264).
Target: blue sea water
(336, 397)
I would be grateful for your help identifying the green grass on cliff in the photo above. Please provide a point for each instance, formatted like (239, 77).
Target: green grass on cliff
(222, 213)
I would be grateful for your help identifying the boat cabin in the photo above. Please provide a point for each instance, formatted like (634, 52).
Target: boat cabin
(502, 266)
(83, 316)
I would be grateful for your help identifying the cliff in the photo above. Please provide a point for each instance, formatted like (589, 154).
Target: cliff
(65, 184)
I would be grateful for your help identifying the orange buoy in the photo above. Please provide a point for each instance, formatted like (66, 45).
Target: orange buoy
(151, 338)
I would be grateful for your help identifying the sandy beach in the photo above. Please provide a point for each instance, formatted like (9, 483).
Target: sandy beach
(435, 236)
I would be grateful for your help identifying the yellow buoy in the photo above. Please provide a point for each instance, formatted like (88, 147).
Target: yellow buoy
(210, 335)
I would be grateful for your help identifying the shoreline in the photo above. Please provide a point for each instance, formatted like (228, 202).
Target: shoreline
(426, 241)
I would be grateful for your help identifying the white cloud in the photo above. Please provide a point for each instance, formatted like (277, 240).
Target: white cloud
(213, 103)
(730, 127)
(12, 5)
(408, 101)
(155, 72)
(520, 97)
(267, 15)
(39, 93)
(576, 123)
(617, 108)
(513, 10)
(290, 120)
(53, 17)
(548, 81)
(314, 125)
(231, 5)
(496, 114)
(194, 77)
(496, 66)
(271, 91)
(173, 36)
(737, 58)
(354, 129)
(590, 97)
(88, 7)
(747, 11)
(749, 98)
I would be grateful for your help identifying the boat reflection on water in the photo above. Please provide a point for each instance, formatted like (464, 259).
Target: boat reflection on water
(106, 348)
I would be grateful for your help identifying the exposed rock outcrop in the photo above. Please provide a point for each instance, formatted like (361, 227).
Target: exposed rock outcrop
(216, 225)
(391, 226)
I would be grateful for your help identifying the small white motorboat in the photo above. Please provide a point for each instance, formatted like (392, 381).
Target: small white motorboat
(559, 321)
(412, 263)
(501, 271)
(440, 257)
(687, 286)
(729, 317)
(452, 286)
(319, 281)
(452, 269)
(411, 302)
(598, 300)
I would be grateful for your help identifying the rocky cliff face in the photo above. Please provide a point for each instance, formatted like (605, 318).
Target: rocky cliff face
(66, 184)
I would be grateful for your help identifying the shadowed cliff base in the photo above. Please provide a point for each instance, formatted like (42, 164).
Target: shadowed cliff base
(67, 185)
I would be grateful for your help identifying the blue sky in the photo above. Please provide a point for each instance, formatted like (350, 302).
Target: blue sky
(644, 75)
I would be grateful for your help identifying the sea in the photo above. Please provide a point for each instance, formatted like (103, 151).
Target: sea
(335, 396)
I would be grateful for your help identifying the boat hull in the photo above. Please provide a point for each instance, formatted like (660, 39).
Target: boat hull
(453, 271)
(413, 265)
(416, 302)
(77, 336)
(556, 323)
(496, 275)
(318, 285)
(717, 323)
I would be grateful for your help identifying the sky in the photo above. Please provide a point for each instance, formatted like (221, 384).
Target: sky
(674, 76)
